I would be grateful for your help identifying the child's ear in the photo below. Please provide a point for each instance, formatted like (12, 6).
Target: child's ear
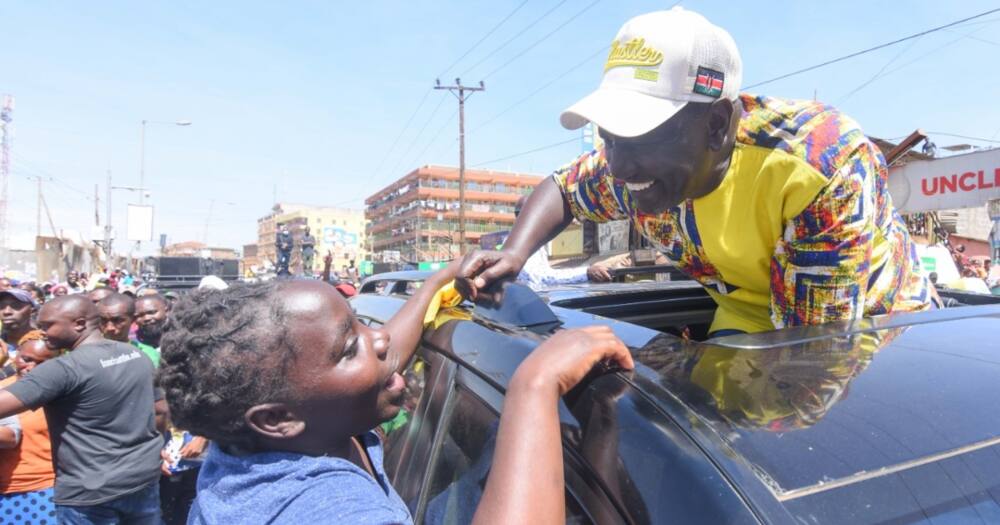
(274, 421)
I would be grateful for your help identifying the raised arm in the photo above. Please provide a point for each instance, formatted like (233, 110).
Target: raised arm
(526, 482)
(406, 327)
(544, 215)
(9, 404)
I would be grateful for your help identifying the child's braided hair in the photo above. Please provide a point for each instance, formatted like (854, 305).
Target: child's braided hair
(222, 353)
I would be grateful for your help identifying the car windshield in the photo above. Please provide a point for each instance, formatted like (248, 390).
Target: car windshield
(854, 429)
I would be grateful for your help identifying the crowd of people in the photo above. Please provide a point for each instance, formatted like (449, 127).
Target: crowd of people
(260, 402)
(122, 408)
(87, 438)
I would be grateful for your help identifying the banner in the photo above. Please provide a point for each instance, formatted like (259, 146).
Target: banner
(960, 181)
(140, 223)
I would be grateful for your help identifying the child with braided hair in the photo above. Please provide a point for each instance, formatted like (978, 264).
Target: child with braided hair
(288, 385)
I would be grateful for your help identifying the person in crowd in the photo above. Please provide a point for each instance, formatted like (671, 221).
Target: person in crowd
(992, 278)
(779, 208)
(346, 289)
(538, 273)
(213, 282)
(150, 316)
(307, 245)
(36, 292)
(60, 290)
(73, 282)
(4, 284)
(26, 472)
(117, 312)
(283, 244)
(17, 309)
(146, 290)
(352, 270)
(183, 454)
(171, 298)
(294, 442)
(98, 294)
(98, 400)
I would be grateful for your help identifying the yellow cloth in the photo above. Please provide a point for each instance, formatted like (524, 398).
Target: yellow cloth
(446, 297)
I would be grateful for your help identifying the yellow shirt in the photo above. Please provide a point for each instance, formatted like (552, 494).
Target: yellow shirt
(800, 231)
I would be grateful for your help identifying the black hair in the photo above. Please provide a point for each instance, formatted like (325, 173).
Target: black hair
(116, 299)
(39, 293)
(223, 352)
(154, 297)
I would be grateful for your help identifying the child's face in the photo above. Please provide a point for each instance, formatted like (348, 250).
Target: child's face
(343, 376)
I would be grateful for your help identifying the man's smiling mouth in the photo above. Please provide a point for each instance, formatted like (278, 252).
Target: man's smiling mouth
(639, 186)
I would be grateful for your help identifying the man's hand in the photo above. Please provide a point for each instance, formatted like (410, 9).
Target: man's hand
(482, 267)
(194, 448)
(598, 273)
(566, 357)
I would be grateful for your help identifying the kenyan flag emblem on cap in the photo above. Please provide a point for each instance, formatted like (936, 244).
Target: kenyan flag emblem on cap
(709, 82)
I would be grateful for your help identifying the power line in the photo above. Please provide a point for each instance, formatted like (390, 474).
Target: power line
(481, 40)
(878, 74)
(922, 56)
(523, 153)
(406, 126)
(541, 88)
(544, 38)
(437, 135)
(935, 50)
(869, 50)
(419, 133)
(23, 166)
(962, 136)
(515, 37)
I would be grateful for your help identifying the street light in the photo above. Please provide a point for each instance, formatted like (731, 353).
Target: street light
(142, 158)
(142, 149)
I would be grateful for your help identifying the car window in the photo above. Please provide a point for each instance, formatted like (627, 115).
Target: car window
(463, 463)
(409, 436)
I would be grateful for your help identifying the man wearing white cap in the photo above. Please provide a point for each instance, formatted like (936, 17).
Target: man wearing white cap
(778, 207)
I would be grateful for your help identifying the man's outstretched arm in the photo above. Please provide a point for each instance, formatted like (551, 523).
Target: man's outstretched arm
(9, 404)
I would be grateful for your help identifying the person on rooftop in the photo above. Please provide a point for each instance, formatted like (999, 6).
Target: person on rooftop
(779, 208)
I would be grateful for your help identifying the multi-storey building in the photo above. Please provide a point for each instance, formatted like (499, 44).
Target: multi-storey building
(340, 231)
(416, 218)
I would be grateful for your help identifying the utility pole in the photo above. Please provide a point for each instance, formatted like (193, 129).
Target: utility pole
(38, 210)
(462, 96)
(107, 223)
(6, 116)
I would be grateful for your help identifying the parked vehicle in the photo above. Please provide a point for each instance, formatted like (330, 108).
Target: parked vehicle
(181, 273)
(882, 420)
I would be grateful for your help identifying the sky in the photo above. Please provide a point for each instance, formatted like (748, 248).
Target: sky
(325, 103)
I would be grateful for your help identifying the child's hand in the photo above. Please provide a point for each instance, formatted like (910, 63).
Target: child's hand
(566, 357)
(446, 274)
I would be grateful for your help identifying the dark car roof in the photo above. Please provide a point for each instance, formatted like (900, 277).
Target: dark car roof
(811, 417)
(815, 415)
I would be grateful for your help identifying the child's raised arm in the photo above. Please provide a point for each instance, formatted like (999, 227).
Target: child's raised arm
(406, 327)
(526, 483)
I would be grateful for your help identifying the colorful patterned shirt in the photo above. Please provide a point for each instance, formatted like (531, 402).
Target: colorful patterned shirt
(801, 230)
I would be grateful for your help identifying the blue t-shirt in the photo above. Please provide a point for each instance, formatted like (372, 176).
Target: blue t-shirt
(285, 487)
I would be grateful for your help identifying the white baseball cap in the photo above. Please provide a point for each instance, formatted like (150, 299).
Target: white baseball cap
(658, 63)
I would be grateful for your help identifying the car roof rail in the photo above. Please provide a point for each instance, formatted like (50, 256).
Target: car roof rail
(618, 274)
(510, 303)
